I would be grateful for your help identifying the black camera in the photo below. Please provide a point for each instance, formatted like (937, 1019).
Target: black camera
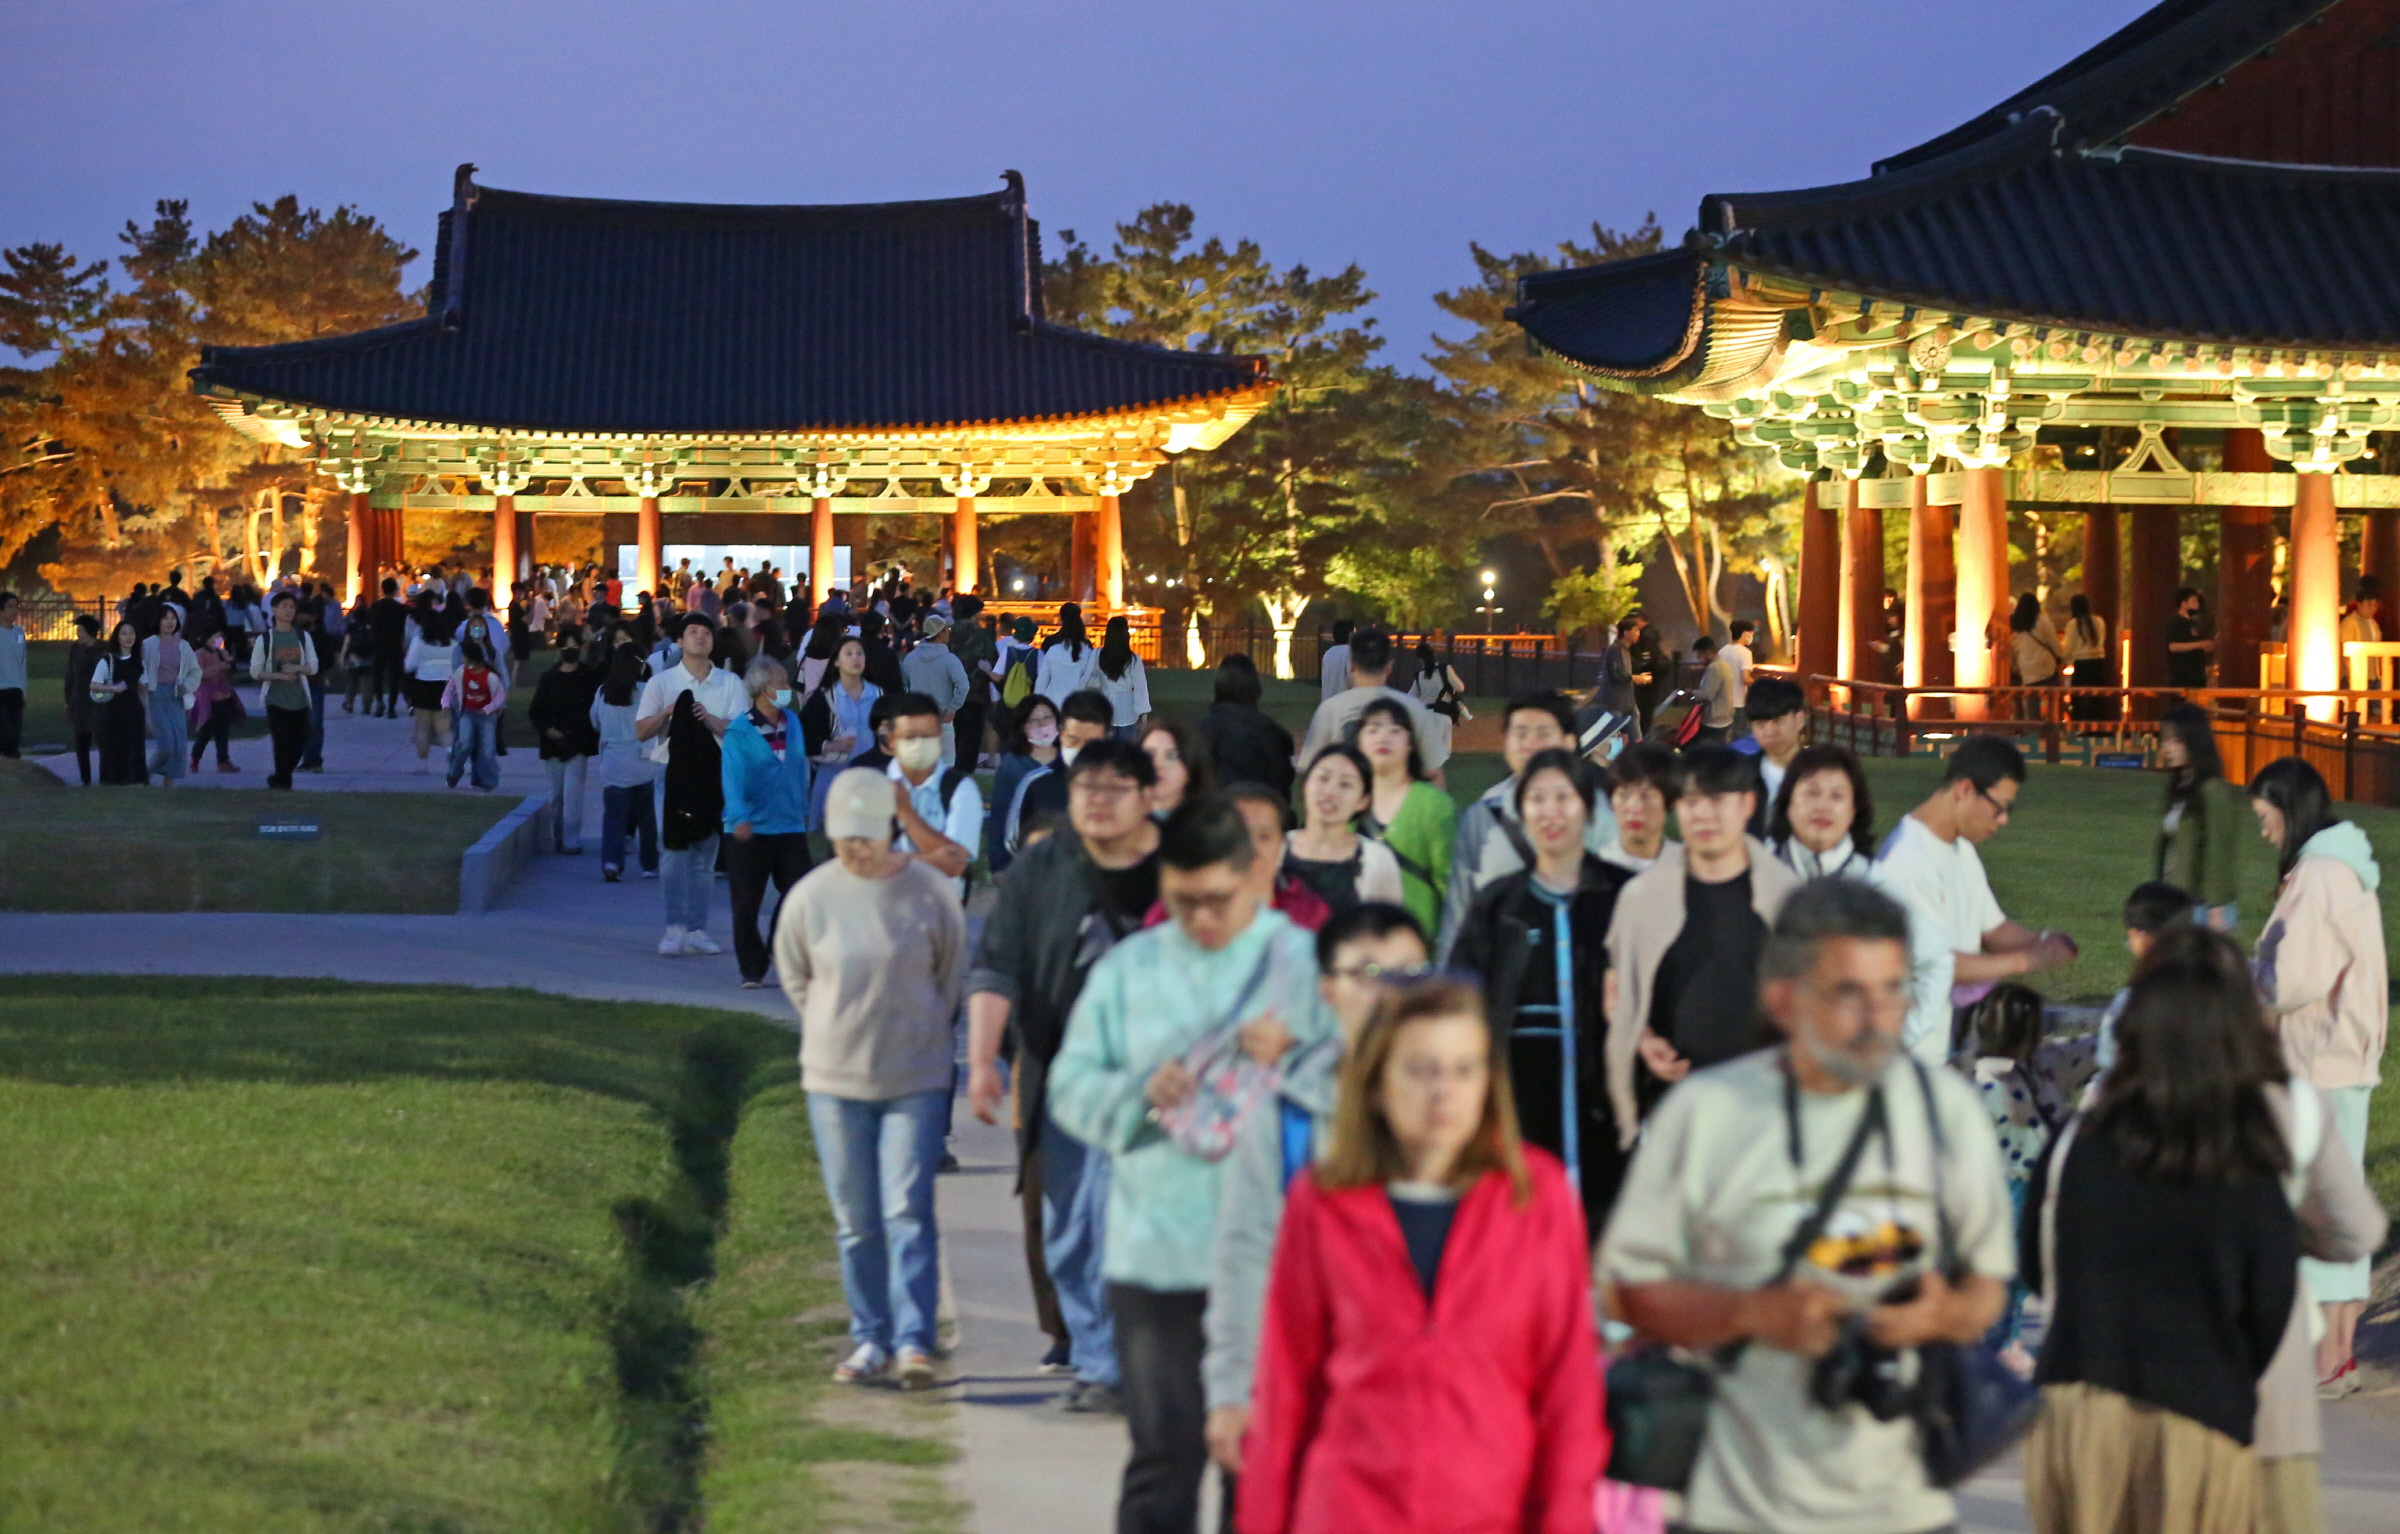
(1877, 1378)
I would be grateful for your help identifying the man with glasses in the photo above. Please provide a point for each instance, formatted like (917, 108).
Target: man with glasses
(1736, 1228)
(1064, 903)
(1148, 1073)
(1966, 943)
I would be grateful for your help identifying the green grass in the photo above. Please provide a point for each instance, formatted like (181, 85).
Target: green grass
(296, 1256)
(125, 849)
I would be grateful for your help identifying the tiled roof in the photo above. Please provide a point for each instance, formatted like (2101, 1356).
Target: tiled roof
(2135, 73)
(574, 314)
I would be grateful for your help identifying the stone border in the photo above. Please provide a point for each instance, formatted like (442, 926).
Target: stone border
(485, 869)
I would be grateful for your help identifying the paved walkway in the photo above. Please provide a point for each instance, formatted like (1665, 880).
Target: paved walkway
(1026, 1467)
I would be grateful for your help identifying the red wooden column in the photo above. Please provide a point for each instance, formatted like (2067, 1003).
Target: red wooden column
(965, 552)
(1820, 585)
(2245, 567)
(2153, 569)
(1108, 550)
(1079, 572)
(1932, 617)
(820, 550)
(2315, 591)
(358, 561)
(1862, 588)
(504, 548)
(2102, 568)
(1982, 583)
(649, 546)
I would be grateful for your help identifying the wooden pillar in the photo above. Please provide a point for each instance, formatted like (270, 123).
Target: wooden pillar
(358, 557)
(2379, 556)
(1932, 617)
(1108, 539)
(1862, 588)
(820, 550)
(1820, 606)
(2245, 567)
(1982, 583)
(965, 545)
(2315, 593)
(526, 556)
(1079, 573)
(2153, 569)
(649, 546)
(504, 549)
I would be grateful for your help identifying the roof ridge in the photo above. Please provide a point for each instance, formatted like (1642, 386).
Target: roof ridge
(488, 199)
(2028, 139)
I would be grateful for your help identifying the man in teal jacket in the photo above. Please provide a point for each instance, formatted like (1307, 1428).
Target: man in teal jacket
(767, 797)
(1125, 1077)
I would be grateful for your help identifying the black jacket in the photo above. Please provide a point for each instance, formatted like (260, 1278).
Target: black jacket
(1247, 746)
(1497, 937)
(562, 701)
(1046, 931)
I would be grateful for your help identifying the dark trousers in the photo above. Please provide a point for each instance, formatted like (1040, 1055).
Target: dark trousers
(1159, 1343)
(85, 740)
(968, 728)
(218, 729)
(628, 814)
(385, 698)
(12, 720)
(785, 858)
(289, 728)
(312, 749)
(1037, 1268)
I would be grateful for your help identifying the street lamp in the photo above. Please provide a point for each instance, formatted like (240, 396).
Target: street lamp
(1491, 608)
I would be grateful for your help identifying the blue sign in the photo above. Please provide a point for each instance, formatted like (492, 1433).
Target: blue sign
(2136, 760)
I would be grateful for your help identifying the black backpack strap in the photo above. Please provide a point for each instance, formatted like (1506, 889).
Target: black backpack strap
(1515, 834)
(1874, 1121)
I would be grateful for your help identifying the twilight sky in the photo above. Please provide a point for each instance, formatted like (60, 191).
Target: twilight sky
(1388, 133)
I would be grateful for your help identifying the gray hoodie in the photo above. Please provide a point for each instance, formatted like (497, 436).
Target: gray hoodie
(1249, 1208)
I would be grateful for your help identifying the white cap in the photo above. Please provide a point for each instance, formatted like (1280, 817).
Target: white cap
(859, 804)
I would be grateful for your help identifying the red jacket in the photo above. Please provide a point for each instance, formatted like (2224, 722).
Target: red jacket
(1371, 1415)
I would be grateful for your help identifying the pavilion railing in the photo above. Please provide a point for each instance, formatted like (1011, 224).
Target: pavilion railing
(2339, 732)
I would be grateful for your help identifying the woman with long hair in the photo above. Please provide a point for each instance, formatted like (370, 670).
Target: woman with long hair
(1181, 757)
(2322, 972)
(427, 666)
(1068, 658)
(1326, 853)
(824, 641)
(837, 720)
(1823, 823)
(116, 687)
(2160, 1232)
(1028, 748)
(170, 680)
(1428, 1338)
(2087, 658)
(2200, 834)
(1405, 812)
(2034, 649)
(1117, 673)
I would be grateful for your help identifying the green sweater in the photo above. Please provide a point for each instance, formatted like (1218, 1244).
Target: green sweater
(1147, 1001)
(2201, 855)
(1421, 836)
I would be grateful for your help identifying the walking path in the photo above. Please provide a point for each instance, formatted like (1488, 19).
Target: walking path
(1026, 1467)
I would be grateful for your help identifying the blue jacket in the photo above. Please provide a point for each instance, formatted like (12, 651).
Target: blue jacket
(771, 795)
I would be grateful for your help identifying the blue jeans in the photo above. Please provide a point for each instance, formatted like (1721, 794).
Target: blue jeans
(684, 877)
(624, 813)
(879, 1159)
(169, 735)
(1074, 1226)
(474, 746)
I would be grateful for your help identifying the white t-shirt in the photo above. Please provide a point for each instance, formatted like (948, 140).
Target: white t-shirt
(961, 819)
(1738, 655)
(720, 695)
(1712, 1197)
(1950, 908)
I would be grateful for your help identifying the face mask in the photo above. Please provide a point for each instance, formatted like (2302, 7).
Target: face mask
(1041, 734)
(1067, 755)
(918, 754)
(782, 697)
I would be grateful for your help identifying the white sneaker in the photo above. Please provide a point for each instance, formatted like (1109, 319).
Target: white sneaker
(916, 1370)
(672, 944)
(697, 941)
(865, 1364)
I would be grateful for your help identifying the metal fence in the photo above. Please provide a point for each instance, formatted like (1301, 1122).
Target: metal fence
(53, 617)
(1490, 665)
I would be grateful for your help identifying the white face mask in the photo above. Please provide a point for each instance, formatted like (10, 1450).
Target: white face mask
(919, 753)
(781, 697)
(1041, 734)
(1067, 755)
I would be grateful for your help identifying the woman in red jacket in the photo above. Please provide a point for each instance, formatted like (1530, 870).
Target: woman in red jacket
(1427, 1359)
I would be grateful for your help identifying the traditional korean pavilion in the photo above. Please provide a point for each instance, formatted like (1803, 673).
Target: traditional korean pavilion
(738, 374)
(2181, 242)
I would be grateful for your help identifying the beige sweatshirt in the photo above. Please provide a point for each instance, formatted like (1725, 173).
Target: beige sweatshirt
(874, 967)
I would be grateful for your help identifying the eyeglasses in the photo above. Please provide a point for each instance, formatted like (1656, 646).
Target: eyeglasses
(2000, 807)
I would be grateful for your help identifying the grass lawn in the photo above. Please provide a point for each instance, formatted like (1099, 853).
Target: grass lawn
(129, 849)
(298, 1256)
(46, 727)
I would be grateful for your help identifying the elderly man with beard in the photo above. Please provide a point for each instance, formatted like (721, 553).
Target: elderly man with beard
(1786, 1202)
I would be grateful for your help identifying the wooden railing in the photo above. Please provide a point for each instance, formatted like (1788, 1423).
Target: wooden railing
(1141, 622)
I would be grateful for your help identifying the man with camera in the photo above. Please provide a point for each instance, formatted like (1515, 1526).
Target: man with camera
(1785, 1212)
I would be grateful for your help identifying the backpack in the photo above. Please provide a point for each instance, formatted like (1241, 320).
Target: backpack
(1677, 722)
(1018, 685)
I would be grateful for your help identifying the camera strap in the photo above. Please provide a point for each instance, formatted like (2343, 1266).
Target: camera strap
(1872, 1124)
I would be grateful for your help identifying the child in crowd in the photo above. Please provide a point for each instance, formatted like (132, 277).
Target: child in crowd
(2151, 909)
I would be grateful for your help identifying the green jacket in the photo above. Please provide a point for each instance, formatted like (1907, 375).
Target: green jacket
(1422, 836)
(2202, 855)
(1146, 1002)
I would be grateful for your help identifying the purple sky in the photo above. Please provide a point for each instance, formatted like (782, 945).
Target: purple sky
(1389, 133)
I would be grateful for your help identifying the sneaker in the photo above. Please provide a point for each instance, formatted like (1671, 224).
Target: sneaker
(2340, 1382)
(1086, 1398)
(1055, 1362)
(697, 941)
(611, 875)
(949, 1163)
(866, 1364)
(753, 985)
(649, 873)
(916, 1369)
(671, 945)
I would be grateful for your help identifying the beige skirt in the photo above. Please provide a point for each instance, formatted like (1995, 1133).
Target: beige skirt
(2102, 1463)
